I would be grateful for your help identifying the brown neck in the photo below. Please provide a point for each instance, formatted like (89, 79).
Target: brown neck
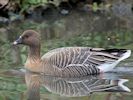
(34, 53)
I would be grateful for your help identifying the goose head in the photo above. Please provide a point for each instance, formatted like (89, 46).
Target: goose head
(29, 38)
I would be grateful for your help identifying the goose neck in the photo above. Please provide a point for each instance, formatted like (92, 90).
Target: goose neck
(34, 53)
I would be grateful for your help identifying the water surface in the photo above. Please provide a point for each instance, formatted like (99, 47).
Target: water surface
(19, 85)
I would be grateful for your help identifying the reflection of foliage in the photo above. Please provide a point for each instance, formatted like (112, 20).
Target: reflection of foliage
(106, 40)
(11, 88)
(12, 85)
(5, 59)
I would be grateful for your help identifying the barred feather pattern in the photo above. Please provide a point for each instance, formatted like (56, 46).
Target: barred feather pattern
(79, 86)
(73, 87)
(76, 61)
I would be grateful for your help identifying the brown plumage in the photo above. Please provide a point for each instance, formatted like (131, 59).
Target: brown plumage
(69, 61)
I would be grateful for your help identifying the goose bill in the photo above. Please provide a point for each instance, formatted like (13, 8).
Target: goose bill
(18, 41)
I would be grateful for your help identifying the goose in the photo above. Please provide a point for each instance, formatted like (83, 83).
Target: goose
(69, 61)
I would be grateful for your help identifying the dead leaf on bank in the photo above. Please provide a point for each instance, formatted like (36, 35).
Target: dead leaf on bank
(3, 3)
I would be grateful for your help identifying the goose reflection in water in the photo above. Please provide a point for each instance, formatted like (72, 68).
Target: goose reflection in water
(74, 87)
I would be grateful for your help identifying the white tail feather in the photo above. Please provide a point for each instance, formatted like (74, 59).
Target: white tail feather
(109, 66)
(125, 55)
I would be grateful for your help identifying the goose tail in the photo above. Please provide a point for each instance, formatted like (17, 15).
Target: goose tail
(122, 53)
(125, 55)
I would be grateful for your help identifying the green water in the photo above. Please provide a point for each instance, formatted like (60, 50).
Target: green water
(75, 29)
(13, 86)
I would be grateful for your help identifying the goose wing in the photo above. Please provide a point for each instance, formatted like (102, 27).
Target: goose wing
(81, 60)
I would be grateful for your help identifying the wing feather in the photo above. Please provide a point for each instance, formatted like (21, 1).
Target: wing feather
(80, 60)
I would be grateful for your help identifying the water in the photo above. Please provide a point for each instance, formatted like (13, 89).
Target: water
(15, 84)
(20, 85)
(75, 87)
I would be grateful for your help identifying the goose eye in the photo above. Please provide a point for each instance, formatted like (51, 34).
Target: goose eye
(26, 36)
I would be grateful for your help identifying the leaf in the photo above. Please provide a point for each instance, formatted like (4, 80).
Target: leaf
(95, 7)
(3, 3)
(37, 1)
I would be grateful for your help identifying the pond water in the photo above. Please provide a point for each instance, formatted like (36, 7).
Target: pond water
(16, 84)
(78, 29)
(20, 85)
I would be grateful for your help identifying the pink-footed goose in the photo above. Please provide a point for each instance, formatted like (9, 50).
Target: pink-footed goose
(69, 61)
